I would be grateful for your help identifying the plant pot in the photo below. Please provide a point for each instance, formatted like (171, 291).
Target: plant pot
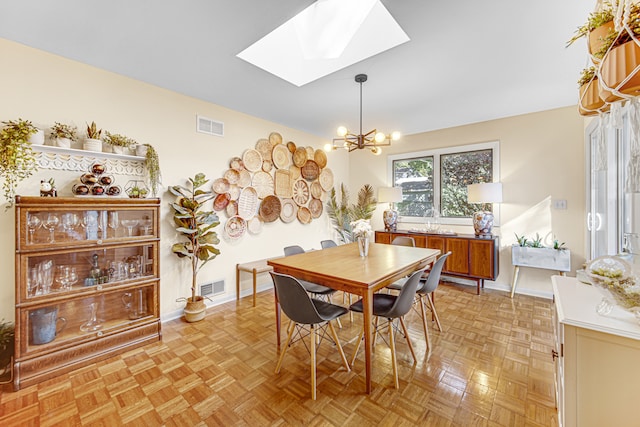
(590, 101)
(617, 65)
(596, 37)
(63, 142)
(37, 138)
(117, 149)
(547, 258)
(141, 150)
(92, 145)
(194, 311)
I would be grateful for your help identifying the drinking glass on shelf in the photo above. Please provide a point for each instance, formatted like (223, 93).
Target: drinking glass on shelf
(93, 324)
(130, 224)
(69, 222)
(60, 278)
(72, 276)
(50, 223)
(33, 281)
(33, 223)
(146, 226)
(45, 276)
(113, 222)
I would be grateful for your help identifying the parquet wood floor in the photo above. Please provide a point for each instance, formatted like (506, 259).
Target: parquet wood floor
(491, 366)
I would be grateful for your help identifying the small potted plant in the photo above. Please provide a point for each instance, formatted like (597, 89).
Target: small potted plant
(63, 134)
(196, 226)
(136, 189)
(17, 159)
(590, 101)
(118, 142)
(93, 141)
(533, 253)
(7, 343)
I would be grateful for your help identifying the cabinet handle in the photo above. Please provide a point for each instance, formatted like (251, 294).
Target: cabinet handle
(554, 355)
(99, 242)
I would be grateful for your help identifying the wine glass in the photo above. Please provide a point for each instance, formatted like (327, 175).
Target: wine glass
(33, 223)
(50, 223)
(129, 223)
(113, 222)
(69, 222)
(146, 226)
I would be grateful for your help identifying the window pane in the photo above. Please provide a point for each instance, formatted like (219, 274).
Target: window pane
(415, 176)
(458, 170)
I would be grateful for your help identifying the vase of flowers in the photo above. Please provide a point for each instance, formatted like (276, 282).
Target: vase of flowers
(361, 231)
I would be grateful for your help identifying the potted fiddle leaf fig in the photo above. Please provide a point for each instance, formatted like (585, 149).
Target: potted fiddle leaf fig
(195, 224)
(63, 134)
(17, 159)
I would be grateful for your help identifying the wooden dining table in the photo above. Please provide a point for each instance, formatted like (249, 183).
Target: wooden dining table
(343, 269)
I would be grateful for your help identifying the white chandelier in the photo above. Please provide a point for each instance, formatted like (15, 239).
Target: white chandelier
(372, 140)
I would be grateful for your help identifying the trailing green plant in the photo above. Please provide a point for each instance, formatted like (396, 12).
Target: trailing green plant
(342, 214)
(595, 20)
(196, 225)
(93, 132)
(616, 38)
(17, 159)
(522, 240)
(61, 130)
(152, 168)
(587, 75)
(118, 140)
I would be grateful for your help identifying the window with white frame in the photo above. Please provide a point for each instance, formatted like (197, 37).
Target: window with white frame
(437, 180)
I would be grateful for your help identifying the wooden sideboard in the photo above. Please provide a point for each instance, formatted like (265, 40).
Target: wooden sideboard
(471, 257)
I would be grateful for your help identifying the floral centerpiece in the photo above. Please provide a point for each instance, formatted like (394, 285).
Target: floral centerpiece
(361, 232)
(615, 279)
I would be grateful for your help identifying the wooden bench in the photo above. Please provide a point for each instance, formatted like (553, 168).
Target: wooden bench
(255, 268)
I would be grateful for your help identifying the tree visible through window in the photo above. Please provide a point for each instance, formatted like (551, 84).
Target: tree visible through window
(415, 176)
(458, 170)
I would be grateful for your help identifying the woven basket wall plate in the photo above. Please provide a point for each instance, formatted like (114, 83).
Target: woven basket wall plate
(263, 146)
(234, 192)
(321, 158)
(315, 207)
(232, 209)
(270, 208)
(295, 172)
(281, 157)
(267, 165)
(310, 152)
(283, 187)
(275, 138)
(304, 215)
(289, 210)
(300, 157)
(263, 183)
(254, 225)
(310, 171)
(235, 227)
(221, 201)
(291, 146)
(236, 163)
(248, 203)
(326, 179)
(252, 160)
(316, 190)
(300, 192)
(220, 185)
(244, 180)
(232, 176)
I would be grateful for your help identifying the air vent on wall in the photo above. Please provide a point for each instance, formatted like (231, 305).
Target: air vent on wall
(213, 288)
(209, 126)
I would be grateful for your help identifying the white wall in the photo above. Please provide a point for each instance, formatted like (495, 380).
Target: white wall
(45, 88)
(541, 160)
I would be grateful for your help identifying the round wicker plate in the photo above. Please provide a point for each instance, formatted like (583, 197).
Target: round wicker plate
(270, 208)
(304, 215)
(263, 183)
(275, 138)
(310, 171)
(326, 179)
(254, 225)
(291, 146)
(232, 176)
(244, 180)
(221, 201)
(235, 227)
(289, 210)
(263, 146)
(316, 190)
(252, 160)
(248, 203)
(234, 192)
(220, 185)
(310, 152)
(267, 165)
(232, 209)
(236, 163)
(315, 207)
(300, 156)
(281, 156)
(295, 172)
(321, 158)
(300, 192)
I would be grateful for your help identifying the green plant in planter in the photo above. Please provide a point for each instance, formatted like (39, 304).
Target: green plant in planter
(587, 75)
(522, 240)
(118, 140)
(537, 242)
(17, 159)
(93, 132)
(595, 20)
(558, 246)
(196, 226)
(61, 130)
(617, 38)
(152, 167)
(342, 214)
(7, 343)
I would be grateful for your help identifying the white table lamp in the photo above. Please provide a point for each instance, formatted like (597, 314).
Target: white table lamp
(486, 192)
(390, 195)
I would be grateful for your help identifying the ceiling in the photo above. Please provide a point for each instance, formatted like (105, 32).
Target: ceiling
(467, 61)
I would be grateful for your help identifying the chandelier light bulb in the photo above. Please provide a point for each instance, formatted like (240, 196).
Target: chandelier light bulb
(396, 135)
(342, 131)
(328, 147)
(376, 151)
(380, 137)
(346, 145)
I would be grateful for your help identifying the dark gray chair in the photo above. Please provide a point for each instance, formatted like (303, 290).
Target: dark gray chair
(392, 307)
(404, 241)
(328, 244)
(306, 312)
(424, 294)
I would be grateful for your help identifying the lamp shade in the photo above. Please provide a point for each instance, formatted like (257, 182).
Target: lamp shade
(486, 192)
(389, 194)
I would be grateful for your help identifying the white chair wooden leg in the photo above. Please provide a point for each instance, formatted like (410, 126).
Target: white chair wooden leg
(423, 312)
(313, 361)
(290, 330)
(335, 338)
(393, 355)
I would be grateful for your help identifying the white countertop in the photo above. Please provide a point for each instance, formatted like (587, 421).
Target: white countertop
(576, 306)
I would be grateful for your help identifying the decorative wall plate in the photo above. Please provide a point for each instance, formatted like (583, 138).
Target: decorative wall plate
(270, 209)
(235, 227)
(263, 183)
(300, 192)
(244, 179)
(310, 171)
(281, 157)
(221, 201)
(289, 210)
(236, 163)
(267, 165)
(316, 190)
(248, 203)
(232, 209)
(263, 146)
(326, 179)
(295, 172)
(321, 158)
(315, 207)
(304, 215)
(300, 157)
(282, 183)
(275, 138)
(232, 176)
(291, 146)
(252, 160)
(220, 185)
(254, 225)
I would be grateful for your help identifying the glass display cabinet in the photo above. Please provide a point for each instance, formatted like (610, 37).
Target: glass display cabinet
(87, 281)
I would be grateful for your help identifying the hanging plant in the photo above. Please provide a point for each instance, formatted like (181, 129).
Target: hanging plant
(152, 167)
(17, 159)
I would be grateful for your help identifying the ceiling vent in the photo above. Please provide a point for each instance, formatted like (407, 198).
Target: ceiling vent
(209, 126)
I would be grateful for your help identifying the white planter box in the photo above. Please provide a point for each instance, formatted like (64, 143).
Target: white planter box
(547, 258)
